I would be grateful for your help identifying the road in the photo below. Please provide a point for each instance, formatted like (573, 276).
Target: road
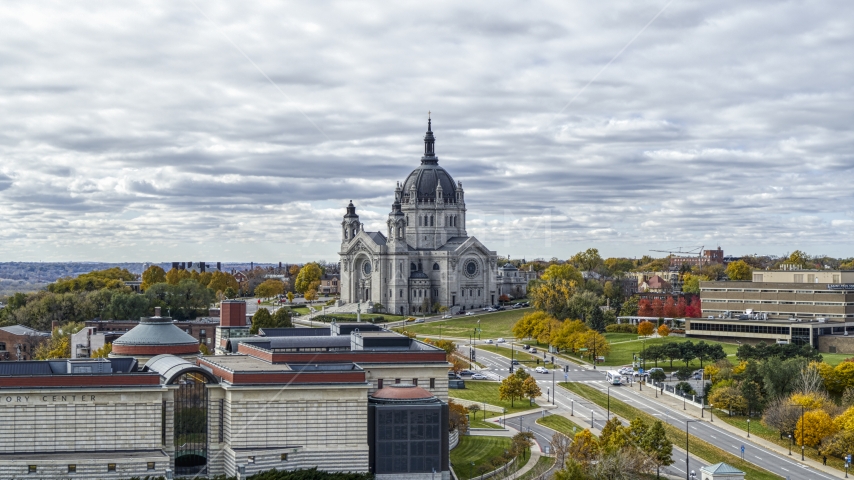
(782, 465)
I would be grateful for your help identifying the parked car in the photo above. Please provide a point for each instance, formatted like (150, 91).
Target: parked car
(479, 376)
(420, 320)
(453, 375)
(468, 314)
(541, 370)
(466, 373)
(500, 340)
(447, 316)
(490, 309)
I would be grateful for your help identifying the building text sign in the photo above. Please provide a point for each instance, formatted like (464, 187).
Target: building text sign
(76, 398)
(840, 286)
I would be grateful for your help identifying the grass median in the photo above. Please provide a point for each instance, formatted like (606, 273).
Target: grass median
(561, 424)
(700, 448)
(487, 392)
(473, 455)
(492, 325)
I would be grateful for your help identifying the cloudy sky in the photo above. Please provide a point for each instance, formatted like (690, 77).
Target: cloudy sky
(190, 130)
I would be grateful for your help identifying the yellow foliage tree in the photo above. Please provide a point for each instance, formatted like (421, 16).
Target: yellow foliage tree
(828, 376)
(311, 293)
(645, 328)
(595, 343)
(810, 401)
(845, 421)
(567, 338)
(815, 426)
(103, 352)
(531, 389)
(584, 447)
(175, 275)
(739, 270)
(728, 398)
(843, 376)
(269, 288)
(528, 324)
(152, 275)
(308, 274)
(511, 388)
(59, 343)
(220, 281)
(663, 330)
(739, 369)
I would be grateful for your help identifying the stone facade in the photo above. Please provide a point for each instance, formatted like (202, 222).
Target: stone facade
(836, 344)
(425, 257)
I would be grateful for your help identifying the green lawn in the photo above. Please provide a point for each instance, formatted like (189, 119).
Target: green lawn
(561, 424)
(620, 337)
(487, 392)
(493, 325)
(478, 451)
(700, 448)
(835, 359)
(621, 353)
(773, 436)
(480, 423)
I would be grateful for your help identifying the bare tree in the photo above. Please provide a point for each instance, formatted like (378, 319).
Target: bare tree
(781, 415)
(809, 379)
(560, 447)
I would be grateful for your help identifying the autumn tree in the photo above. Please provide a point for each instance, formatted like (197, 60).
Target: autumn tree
(739, 270)
(644, 308)
(457, 419)
(681, 307)
(694, 310)
(569, 335)
(222, 281)
(308, 274)
(175, 275)
(151, 275)
(588, 260)
(670, 308)
(103, 352)
(813, 427)
(657, 308)
(645, 328)
(59, 343)
(663, 330)
(511, 388)
(564, 272)
(269, 288)
(584, 448)
(595, 343)
(261, 319)
(530, 389)
(691, 283)
(728, 398)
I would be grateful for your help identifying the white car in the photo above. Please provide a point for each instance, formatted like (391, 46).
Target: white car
(500, 340)
(468, 314)
(489, 341)
(479, 376)
(626, 371)
(541, 370)
(447, 316)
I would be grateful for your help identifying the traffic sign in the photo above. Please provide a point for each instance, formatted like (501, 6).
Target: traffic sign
(742, 449)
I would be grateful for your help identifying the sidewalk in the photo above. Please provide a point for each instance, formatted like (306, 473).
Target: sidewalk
(694, 411)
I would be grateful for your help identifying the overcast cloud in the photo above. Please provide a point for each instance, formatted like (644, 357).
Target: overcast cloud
(225, 131)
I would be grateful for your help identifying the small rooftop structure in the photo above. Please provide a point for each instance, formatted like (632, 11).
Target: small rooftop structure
(721, 471)
(402, 393)
(154, 336)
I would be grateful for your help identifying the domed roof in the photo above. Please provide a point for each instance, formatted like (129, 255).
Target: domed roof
(426, 177)
(402, 392)
(429, 174)
(155, 335)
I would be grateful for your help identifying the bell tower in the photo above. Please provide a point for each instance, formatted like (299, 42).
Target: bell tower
(350, 226)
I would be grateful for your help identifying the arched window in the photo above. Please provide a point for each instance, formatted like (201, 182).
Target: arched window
(431, 220)
(412, 267)
(435, 266)
(401, 294)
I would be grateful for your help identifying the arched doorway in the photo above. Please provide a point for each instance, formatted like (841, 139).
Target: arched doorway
(191, 423)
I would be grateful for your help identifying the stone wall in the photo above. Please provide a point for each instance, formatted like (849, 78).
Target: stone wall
(33, 421)
(87, 466)
(406, 373)
(836, 343)
(314, 425)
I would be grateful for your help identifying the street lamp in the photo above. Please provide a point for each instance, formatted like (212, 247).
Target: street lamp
(790, 444)
(803, 409)
(687, 458)
(711, 413)
(748, 428)
(609, 403)
(505, 417)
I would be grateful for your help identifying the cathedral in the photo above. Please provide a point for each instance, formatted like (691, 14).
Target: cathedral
(424, 259)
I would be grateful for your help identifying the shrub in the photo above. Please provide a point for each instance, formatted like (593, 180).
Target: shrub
(621, 328)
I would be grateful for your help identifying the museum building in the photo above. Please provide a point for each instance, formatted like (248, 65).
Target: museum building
(288, 400)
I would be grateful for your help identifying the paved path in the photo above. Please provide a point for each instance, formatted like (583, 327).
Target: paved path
(664, 408)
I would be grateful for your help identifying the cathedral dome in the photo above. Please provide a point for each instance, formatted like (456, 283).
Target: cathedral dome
(429, 174)
(425, 178)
